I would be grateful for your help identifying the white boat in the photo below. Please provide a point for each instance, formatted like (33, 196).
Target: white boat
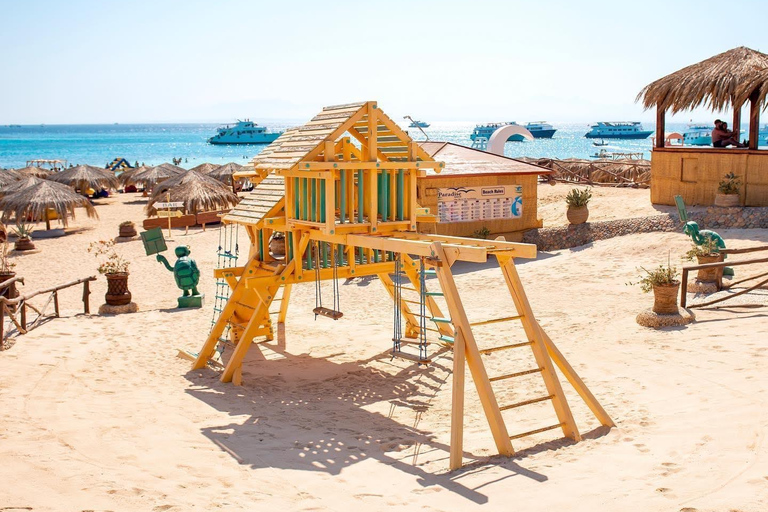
(698, 135)
(244, 132)
(617, 130)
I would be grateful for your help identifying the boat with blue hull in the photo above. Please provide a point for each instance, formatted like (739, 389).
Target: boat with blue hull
(698, 135)
(418, 124)
(618, 130)
(539, 130)
(243, 132)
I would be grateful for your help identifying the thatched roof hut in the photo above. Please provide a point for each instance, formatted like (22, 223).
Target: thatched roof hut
(35, 201)
(84, 177)
(197, 191)
(726, 80)
(149, 176)
(126, 178)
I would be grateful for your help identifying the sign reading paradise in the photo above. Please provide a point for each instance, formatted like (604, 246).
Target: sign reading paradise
(465, 204)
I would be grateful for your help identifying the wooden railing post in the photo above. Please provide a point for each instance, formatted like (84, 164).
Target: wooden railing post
(684, 288)
(2, 320)
(56, 303)
(86, 297)
(24, 315)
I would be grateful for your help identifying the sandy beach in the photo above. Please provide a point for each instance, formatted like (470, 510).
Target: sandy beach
(99, 414)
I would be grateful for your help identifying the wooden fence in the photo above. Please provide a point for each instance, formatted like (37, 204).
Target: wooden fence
(610, 173)
(18, 306)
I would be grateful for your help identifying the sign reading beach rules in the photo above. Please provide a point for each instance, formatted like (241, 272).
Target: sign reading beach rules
(465, 204)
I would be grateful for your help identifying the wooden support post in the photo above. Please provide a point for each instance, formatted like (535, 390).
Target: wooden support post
(284, 304)
(736, 126)
(457, 404)
(2, 322)
(473, 359)
(23, 314)
(538, 346)
(754, 120)
(56, 303)
(660, 126)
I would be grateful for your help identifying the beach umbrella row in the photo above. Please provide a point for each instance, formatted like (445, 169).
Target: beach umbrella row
(84, 177)
(199, 192)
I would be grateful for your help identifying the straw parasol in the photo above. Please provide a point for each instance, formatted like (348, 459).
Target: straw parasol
(8, 176)
(224, 173)
(126, 178)
(34, 171)
(755, 88)
(713, 83)
(204, 168)
(24, 182)
(35, 201)
(84, 177)
(151, 175)
(197, 191)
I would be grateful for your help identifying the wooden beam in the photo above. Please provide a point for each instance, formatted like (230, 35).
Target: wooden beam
(519, 250)
(754, 120)
(329, 166)
(660, 126)
(284, 303)
(415, 247)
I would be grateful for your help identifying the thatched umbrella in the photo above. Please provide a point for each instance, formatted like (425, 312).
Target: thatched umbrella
(204, 168)
(152, 175)
(224, 173)
(84, 177)
(35, 201)
(24, 182)
(727, 79)
(126, 178)
(34, 171)
(8, 176)
(197, 191)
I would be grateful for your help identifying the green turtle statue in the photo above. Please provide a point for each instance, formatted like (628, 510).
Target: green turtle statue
(187, 277)
(699, 236)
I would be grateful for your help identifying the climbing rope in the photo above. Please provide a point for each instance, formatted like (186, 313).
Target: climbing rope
(422, 311)
(227, 252)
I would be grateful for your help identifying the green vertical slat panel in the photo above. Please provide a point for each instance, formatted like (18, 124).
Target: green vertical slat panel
(309, 256)
(289, 235)
(261, 245)
(304, 199)
(360, 196)
(322, 200)
(324, 252)
(296, 199)
(385, 196)
(313, 201)
(400, 193)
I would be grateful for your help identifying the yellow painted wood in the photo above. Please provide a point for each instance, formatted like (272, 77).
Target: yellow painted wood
(284, 303)
(457, 404)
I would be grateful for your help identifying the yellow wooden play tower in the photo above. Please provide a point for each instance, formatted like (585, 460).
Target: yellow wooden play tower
(343, 190)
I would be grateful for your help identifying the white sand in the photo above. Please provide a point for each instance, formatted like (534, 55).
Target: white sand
(99, 414)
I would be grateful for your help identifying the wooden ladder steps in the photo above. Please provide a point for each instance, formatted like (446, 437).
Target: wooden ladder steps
(537, 431)
(516, 374)
(496, 320)
(526, 402)
(505, 347)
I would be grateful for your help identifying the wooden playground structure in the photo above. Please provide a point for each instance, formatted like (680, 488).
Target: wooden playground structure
(343, 189)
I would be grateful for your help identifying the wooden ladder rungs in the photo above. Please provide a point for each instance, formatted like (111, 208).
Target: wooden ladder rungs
(505, 347)
(411, 301)
(537, 431)
(446, 338)
(434, 294)
(440, 320)
(496, 320)
(517, 374)
(527, 402)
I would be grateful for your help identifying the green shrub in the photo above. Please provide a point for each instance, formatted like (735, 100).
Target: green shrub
(578, 197)
(730, 184)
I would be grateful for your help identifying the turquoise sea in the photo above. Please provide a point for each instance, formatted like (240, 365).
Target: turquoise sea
(154, 144)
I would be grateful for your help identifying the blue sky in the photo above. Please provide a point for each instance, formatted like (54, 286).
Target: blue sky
(83, 61)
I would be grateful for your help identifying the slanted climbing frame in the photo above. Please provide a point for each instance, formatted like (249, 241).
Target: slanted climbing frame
(345, 185)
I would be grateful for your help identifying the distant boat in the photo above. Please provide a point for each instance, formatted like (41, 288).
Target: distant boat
(418, 124)
(618, 130)
(698, 135)
(14, 126)
(539, 130)
(601, 143)
(244, 132)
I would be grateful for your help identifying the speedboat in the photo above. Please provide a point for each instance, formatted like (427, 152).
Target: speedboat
(618, 130)
(418, 124)
(244, 132)
(698, 135)
(601, 143)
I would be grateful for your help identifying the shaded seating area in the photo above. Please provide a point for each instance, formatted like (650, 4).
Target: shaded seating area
(727, 81)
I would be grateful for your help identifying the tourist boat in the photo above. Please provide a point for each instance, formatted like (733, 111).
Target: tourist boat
(418, 124)
(539, 130)
(601, 143)
(244, 132)
(698, 135)
(618, 130)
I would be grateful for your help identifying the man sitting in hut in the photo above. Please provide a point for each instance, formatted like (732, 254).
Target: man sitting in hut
(722, 138)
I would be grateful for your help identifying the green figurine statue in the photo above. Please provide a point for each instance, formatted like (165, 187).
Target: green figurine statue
(700, 235)
(187, 277)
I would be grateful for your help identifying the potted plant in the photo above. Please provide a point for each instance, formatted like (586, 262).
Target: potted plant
(728, 191)
(277, 245)
(127, 229)
(664, 284)
(115, 269)
(6, 273)
(577, 201)
(24, 237)
(707, 252)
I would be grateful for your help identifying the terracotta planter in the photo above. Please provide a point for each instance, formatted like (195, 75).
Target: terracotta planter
(117, 289)
(727, 200)
(577, 214)
(128, 231)
(277, 248)
(665, 298)
(24, 244)
(710, 275)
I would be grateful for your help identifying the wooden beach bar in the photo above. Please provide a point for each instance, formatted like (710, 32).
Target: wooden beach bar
(726, 81)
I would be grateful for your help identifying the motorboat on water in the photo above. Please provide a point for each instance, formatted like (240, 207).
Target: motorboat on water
(539, 130)
(698, 135)
(618, 130)
(418, 124)
(243, 132)
(602, 142)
